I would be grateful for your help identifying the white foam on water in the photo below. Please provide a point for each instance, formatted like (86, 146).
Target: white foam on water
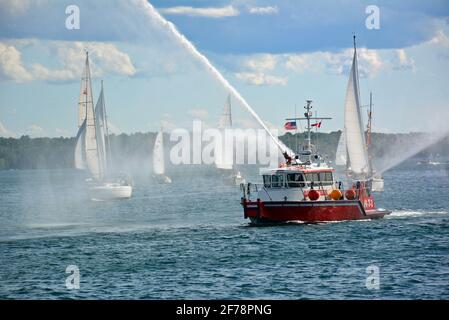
(412, 213)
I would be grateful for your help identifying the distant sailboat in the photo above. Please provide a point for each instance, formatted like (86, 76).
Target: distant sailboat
(341, 156)
(224, 158)
(159, 159)
(377, 181)
(352, 150)
(92, 148)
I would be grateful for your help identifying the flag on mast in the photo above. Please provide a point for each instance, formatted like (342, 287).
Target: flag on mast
(291, 125)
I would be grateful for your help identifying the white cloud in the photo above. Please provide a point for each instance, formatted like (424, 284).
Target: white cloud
(11, 65)
(255, 68)
(259, 79)
(370, 62)
(261, 62)
(264, 10)
(35, 131)
(210, 12)
(5, 133)
(19, 7)
(440, 39)
(106, 58)
(200, 114)
(298, 63)
(404, 62)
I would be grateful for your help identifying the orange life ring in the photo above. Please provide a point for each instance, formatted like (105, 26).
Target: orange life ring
(313, 195)
(350, 194)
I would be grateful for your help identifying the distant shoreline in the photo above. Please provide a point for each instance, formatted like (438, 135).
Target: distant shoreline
(57, 153)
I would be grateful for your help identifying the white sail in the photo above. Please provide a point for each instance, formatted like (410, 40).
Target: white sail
(341, 155)
(158, 155)
(92, 155)
(100, 121)
(223, 152)
(355, 139)
(80, 151)
(85, 93)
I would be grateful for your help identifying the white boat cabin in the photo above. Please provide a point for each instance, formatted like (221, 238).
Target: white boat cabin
(294, 182)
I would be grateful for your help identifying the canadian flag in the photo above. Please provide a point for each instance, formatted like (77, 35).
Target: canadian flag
(318, 124)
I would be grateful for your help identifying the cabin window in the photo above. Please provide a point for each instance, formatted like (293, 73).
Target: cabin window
(277, 181)
(329, 177)
(326, 178)
(312, 177)
(267, 181)
(295, 180)
(319, 178)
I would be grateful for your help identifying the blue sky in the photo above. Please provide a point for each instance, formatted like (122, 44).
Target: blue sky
(276, 54)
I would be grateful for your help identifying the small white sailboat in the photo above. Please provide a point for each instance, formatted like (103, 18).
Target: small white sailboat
(92, 149)
(341, 156)
(377, 181)
(159, 160)
(354, 148)
(224, 156)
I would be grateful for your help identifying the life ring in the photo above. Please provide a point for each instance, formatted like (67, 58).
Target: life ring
(350, 194)
(313, 195)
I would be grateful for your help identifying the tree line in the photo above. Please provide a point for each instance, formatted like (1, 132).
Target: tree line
(58, 153)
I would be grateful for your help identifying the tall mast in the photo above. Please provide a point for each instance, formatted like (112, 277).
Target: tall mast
(355, 47)
(369, 131)
(87, 79)
(108, 140)
(308, 116)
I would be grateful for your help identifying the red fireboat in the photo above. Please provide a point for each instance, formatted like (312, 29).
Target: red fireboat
(304, 190)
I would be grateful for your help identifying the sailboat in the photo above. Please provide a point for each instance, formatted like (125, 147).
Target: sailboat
(377, 181)
(159, 159)
(92, 148)
(354, 150)
(223, 156)
(341, 158)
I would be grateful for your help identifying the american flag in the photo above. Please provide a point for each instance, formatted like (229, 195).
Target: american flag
(291, 125)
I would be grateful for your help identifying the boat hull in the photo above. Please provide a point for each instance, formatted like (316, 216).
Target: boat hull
(308, 211)
(111, 192)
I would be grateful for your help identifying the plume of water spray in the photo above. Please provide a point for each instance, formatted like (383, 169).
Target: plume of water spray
(404, 150)
(154, 14)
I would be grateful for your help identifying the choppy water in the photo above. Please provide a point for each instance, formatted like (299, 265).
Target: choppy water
(189, 240)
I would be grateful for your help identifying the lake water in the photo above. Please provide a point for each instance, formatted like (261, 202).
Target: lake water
(188, 240)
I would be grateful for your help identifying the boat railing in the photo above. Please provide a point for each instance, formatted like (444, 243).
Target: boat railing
(251, 189)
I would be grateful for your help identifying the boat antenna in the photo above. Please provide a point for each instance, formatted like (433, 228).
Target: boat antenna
(355, 47)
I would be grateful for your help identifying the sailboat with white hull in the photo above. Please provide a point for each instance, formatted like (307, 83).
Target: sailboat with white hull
(223, 156)
(92, 149)
(354, 150)
(159, 160)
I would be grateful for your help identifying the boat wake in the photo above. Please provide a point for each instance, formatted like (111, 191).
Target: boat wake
(413, 213)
